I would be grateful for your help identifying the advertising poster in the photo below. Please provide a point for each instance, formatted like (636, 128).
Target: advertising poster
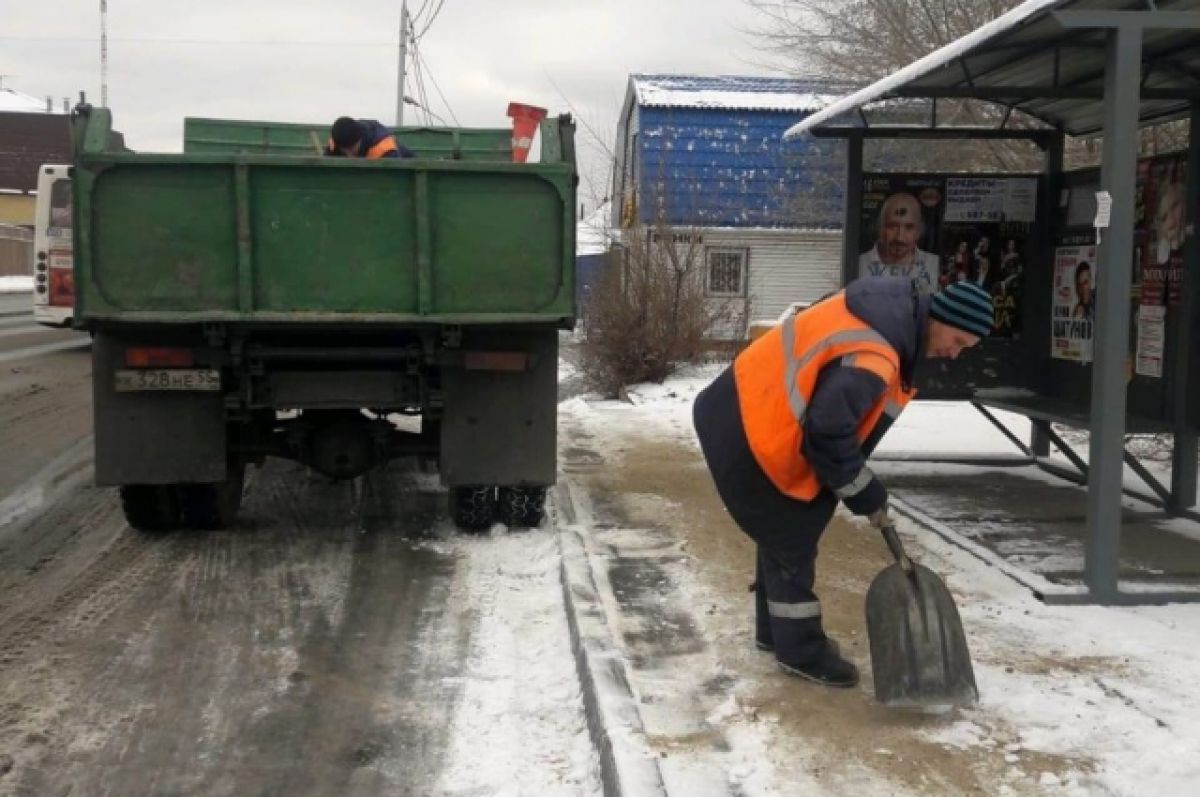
(986, 233)
(901, 228)
(1161, 235)
(939, 230)
(1151, 340)
(991, 199)
(1074, 303)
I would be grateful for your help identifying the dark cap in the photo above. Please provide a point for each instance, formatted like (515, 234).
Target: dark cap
(346, 132)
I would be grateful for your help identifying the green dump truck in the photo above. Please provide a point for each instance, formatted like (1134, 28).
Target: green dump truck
(251, 299)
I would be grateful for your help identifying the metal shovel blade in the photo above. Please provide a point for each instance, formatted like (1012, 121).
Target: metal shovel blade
(918, 649)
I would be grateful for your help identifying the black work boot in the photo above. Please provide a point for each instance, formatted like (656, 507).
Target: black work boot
(826, 667)
(762, 619)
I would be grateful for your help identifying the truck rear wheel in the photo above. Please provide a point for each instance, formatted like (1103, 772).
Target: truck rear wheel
(151, 507)
(522, 507)
(473, 508)
(211, 507)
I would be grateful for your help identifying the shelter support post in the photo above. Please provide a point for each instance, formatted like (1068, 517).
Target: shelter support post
(1054, 154)
(1111, 328)
(1184, 452)
(850, 228)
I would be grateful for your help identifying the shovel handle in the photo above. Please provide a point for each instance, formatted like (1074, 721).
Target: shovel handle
(893, 543)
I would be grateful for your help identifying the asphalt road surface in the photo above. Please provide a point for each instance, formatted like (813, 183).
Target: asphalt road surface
(342, 639)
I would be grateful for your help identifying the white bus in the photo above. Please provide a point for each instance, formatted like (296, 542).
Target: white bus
(53, 247)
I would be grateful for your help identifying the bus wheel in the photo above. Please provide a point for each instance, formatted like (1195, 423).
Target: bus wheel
(151, 507)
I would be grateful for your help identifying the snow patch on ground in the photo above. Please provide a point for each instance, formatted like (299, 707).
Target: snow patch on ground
(952, 427)
(1115, 688)
(1116, 685)
(519, 728)
(16, 284)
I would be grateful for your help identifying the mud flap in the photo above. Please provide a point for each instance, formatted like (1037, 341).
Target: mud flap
(153, 437)
(499, 427)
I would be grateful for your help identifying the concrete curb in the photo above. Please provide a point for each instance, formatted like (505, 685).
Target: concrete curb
(627, 765)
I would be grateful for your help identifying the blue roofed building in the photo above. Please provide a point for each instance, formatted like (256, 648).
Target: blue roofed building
(706, 156)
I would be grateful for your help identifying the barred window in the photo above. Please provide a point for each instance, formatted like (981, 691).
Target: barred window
(726, 272)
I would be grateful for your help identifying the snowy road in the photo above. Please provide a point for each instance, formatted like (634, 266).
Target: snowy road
(342, 640)
(22, 338)
(45, 397)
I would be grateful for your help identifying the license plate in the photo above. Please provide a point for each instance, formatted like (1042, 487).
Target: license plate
(168, 379)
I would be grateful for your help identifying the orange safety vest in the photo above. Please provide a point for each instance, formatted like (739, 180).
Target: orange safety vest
(382, 147)
(377, 150)
(777, 374)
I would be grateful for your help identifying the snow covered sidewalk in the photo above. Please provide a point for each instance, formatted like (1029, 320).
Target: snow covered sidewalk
(1074, 700)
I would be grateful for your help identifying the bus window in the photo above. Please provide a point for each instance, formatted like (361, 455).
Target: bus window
(60, 208)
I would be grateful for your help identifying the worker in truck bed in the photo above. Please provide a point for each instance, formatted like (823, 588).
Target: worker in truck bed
(787, 429)
(363, 138)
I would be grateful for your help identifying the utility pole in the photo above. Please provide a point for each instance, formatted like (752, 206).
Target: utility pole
(403, 61)
(103, 53)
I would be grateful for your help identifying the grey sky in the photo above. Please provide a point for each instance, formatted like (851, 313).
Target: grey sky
(167, 59)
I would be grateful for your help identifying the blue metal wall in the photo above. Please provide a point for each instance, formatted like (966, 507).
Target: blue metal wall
(731, 168)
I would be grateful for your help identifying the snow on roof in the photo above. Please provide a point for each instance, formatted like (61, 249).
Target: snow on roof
(733, 92)
(12, 100)
(592, 232)
(923, 66)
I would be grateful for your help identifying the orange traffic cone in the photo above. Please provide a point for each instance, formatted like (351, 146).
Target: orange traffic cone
(525, 122)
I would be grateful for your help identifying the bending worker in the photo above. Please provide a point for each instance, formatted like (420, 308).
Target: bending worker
(787, 429)
(363, 138)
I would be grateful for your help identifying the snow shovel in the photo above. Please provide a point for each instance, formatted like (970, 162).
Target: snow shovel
(918, 649)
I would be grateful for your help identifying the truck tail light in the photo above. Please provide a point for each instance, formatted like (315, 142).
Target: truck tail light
(158, 357)
(496, 361)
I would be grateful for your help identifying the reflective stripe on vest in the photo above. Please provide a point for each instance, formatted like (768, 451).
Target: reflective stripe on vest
(778, 373)
(796, 399)
(382, 147)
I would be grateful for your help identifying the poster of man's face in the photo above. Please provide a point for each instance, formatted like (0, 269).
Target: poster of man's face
(900, 228)
(1084, 292)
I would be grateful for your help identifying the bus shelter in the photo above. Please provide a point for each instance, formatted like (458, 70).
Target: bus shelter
(1094, 272)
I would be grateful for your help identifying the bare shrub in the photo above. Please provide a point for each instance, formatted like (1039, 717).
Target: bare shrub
(648, 314)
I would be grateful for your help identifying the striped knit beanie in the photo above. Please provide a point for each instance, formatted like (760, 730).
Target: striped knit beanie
(965, 306)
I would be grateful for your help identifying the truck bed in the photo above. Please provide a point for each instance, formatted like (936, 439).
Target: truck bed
(228, 236)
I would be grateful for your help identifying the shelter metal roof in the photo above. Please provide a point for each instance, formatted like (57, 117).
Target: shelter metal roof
(734, 92)
(1028, 60)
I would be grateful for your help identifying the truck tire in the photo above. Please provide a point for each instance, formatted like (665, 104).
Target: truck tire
(212, 507)
(151, 507)
(473, 508)
(522, 507)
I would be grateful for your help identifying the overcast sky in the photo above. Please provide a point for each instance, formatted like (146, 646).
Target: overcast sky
(313, 61)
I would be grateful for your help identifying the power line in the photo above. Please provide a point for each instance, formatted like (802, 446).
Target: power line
(438, 88)
(419, 73)
(417, 16)
(219, 42)
(432, 18)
